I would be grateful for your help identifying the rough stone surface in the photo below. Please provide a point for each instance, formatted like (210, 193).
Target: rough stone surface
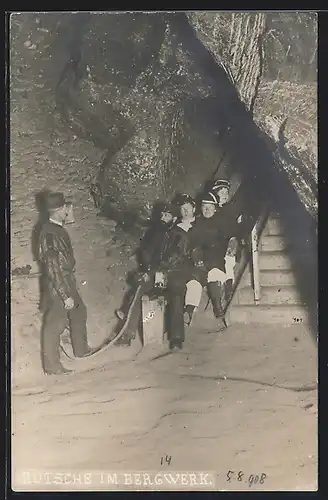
(147, 93)
(272, 60)
(135, 94)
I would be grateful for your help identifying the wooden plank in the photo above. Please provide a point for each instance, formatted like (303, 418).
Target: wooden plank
(153, 320)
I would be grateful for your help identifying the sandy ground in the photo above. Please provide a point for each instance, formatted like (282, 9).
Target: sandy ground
(125, 411)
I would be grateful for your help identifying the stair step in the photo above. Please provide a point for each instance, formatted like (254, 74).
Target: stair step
(246, 279)
(272, 243)
(263, 314)
(274, 261)
(273, 227)
(270, 295)
(284, 277)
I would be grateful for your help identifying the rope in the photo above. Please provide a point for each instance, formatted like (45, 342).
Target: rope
(109, 341)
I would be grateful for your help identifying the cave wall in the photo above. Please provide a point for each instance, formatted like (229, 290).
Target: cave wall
(167, 98)
(154, 113)
(140, 88)
(272, 59)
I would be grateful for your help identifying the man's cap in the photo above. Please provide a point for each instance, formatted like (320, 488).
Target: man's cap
(54, 201)
(209, 198)
(182, 199)
(219, 184)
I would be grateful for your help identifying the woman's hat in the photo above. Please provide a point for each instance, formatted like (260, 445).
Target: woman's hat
(219, 184)
(209, 198)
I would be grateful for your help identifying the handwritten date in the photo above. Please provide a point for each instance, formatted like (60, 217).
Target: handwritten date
(241, 477)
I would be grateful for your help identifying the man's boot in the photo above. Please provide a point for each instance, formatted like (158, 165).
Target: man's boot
(124, 341)
(226, 296)
(188, 314)
(120, 314)
(175, 319)
(176, 345)
(215, 293)
(123, 311)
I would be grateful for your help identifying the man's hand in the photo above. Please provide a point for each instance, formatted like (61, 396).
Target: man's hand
(69, 303)
(160, 279)
(145, 277)
(200, 263)
(232, 247)
(231, 252)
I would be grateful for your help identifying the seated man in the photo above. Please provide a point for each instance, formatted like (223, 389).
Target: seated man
(210, 241)
(178, 268)
(149, 256)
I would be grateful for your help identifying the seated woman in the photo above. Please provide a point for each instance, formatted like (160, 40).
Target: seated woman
(231, 214)
(149, 258)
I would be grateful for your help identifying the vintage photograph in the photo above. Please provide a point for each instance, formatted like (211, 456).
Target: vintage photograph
(163, 267)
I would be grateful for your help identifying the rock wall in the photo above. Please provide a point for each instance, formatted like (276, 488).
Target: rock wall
(142, 96)
(163, 99)
(272, 60)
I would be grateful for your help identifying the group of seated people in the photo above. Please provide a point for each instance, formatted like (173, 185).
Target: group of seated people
(190, 245)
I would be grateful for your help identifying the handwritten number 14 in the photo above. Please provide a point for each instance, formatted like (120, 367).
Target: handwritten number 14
(166, 459)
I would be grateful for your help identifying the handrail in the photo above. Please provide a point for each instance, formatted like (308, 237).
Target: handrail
(255, 264)
(250, 253)
(255, 240)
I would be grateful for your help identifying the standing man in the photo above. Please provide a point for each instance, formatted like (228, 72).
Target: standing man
(62, 302)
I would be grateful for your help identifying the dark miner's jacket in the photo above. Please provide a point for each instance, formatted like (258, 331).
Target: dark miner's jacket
(176, 250)
(210, 237)
(57, 260)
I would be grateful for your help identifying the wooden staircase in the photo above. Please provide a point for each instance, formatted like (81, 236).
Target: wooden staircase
(278, 299)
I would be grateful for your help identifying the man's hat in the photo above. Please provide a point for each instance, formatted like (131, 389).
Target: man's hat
(54, 201)
(209, 198)
(219, 184)
(183, 198)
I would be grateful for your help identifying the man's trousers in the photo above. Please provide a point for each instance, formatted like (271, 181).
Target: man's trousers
(55, 320)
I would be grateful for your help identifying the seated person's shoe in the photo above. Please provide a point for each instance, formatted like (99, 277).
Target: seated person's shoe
(222, 325)
(123, 342)
(176, 345)
(188, 314)
(120, 314)
(228, 290)
(186, 318)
